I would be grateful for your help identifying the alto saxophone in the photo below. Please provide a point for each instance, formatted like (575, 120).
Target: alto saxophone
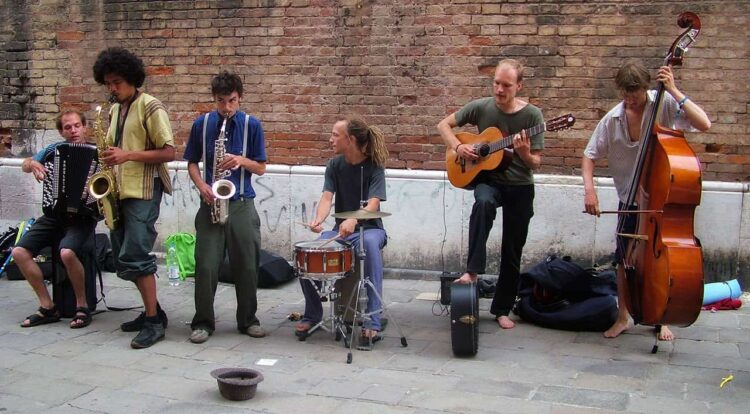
(103, 185)
(222, 188)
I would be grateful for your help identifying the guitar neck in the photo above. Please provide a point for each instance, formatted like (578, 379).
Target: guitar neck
(507, 141)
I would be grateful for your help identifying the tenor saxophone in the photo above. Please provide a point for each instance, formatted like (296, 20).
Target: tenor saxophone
(103, 185)
(222, 188)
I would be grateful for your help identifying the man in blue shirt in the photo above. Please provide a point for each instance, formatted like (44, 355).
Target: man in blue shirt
(74, 232)
(239, 232)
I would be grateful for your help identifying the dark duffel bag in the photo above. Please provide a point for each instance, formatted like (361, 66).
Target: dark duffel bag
(560, 294)
(274, 270)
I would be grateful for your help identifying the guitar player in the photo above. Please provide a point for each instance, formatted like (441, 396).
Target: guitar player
(511, 188)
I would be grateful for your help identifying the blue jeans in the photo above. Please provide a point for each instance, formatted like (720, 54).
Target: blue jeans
(375, 240)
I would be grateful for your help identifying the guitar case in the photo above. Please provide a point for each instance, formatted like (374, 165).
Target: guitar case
(464, 319)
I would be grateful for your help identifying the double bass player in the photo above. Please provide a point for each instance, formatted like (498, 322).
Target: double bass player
(617, 138)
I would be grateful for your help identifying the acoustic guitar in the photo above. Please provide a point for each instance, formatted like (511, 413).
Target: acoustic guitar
(494, 150)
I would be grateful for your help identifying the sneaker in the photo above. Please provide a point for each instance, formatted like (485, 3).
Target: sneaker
(256, 331)
(137, 324)
(150, 334)
(199, 336)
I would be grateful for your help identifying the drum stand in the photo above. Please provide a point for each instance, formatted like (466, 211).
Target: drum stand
(359, 314)
(326, 290)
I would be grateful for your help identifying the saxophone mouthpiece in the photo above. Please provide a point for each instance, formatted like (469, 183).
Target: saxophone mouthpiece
(112, 99)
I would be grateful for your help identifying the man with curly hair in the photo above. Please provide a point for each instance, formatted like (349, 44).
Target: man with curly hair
(142, 145)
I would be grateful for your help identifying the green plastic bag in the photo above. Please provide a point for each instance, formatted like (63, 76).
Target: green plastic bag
(185, 247)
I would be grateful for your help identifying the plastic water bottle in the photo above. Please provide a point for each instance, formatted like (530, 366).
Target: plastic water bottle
(173, 269)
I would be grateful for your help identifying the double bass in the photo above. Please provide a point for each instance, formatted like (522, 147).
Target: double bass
(663, 261)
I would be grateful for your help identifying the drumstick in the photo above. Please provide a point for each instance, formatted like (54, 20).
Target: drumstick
(329, 240)
(304, 224)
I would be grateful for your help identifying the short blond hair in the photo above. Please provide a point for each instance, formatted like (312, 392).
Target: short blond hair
(513, 63)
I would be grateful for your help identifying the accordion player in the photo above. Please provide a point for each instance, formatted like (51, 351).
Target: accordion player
(64, 190)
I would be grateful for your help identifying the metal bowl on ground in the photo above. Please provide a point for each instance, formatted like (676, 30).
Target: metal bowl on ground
(237, 384)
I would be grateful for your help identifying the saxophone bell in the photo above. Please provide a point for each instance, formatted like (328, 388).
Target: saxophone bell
(223, 189)
(100, 185)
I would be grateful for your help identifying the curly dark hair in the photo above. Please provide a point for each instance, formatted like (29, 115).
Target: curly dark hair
(225, 83)
(122, 62)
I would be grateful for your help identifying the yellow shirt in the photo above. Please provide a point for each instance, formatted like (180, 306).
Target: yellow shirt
(146, 127)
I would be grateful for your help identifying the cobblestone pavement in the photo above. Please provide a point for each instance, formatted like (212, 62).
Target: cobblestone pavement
(54, 369)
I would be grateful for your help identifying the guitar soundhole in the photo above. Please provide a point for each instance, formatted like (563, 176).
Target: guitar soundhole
(484, 150)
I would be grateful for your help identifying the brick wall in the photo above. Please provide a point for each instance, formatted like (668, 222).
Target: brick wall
(404, 65)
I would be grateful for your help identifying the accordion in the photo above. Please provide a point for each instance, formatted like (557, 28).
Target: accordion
(65, 190)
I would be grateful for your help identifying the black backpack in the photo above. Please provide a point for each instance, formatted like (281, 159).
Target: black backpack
(7, 240)
(104, 258)
(560, 294)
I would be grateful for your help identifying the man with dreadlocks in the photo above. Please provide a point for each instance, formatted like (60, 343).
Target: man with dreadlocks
(356, 174)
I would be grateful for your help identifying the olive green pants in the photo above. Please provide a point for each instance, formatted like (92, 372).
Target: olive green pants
(239, 237)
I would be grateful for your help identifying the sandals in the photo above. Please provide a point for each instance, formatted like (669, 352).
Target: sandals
(41, 317)
(302, 330)
(366, 342)
(81, 319)
(303, 327)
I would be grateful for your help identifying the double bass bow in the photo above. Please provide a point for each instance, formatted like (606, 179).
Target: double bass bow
(663, 261)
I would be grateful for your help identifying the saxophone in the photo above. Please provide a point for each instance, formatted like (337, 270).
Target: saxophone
(222, 188)
(102, 185)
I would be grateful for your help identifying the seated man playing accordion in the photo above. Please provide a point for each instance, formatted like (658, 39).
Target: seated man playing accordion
(72, 231)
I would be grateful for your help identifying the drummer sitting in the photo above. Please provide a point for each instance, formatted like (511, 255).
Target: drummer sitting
(356, 175)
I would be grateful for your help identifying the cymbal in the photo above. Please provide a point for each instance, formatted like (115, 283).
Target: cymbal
(361, 214)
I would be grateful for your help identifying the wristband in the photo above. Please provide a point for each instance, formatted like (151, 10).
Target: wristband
(456, 150)
(682, 101)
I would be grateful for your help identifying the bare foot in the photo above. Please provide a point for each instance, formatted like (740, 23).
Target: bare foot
(505, 322)
(466, 278)
(615, 330)
(665, 334)
(369, 333)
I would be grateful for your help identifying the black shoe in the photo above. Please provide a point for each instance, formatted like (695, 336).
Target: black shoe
(137, 324)
(149, 335)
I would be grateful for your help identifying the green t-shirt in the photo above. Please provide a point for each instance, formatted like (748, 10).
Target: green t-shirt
(484, 113)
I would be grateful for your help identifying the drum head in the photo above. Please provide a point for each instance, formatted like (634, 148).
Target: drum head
(323, 245)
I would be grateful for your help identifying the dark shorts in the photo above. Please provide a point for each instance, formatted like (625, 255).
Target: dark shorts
(73, 232)
(628, 227)
(133, 238)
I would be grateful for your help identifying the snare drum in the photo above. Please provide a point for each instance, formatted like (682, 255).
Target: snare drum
(323, 259)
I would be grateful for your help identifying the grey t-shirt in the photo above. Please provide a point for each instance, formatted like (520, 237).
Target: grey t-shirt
(484, 113)
(354, 183)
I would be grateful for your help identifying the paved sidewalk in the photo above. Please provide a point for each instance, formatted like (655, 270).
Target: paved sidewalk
(54, 369)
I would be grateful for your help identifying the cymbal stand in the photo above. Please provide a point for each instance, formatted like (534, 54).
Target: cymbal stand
(359, 314)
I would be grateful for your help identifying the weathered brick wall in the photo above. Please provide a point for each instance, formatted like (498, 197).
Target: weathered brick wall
(404, 65)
